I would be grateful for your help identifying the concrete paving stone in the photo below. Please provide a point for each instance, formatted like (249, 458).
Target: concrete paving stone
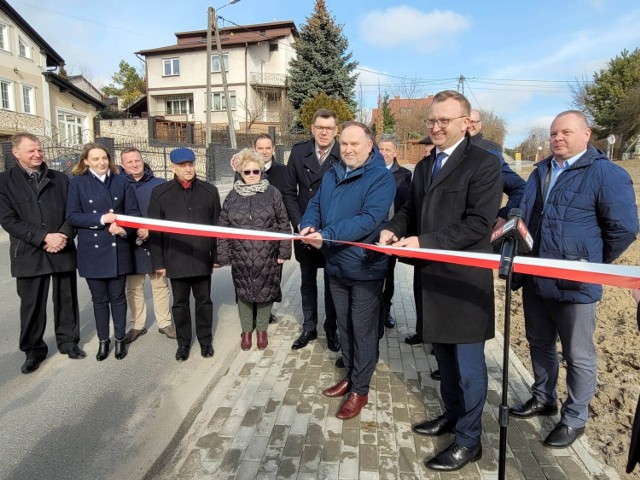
(296, 380)
(573, 468)
(219, 417)
(217, 449)
(305, 404)
(231, 461)
(388, 467)
(307, 476)
(349, 466)
(366, 475)
(288, 468)
(386, 441)
(310, 459)
(407, 460)
(252, 416)
(314, 435)
(278, 437)
(350, 438)
(231, 426)
(256, 448)
(368, 457)
(243, 437)
(299, 424)
(395, 365)
(318, 413)
(404, 435)
(293, 446)
(285, 414)
(272, 406)
(192, 465)
(333, 427)
(332, 451)
(423, 446)
(400, 414)
(328, 471)
(544, 456)
(528, 463)
(556, 473)
(248, 470)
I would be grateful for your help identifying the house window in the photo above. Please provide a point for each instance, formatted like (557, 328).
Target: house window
(6, 95)
(179, 105)
(4, 37)
(171, 66)
(215, 62)
(28, 100)
(219, 101)
(24, 50)
(72, 128)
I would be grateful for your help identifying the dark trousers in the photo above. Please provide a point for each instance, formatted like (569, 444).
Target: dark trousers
(387, 294)
(309, 294)
(33, 293)
(417, 295)
(463, 388)
(357, 305)
(201, 288)
(105, 293)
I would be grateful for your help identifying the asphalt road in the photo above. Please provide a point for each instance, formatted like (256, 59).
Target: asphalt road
(80, 419)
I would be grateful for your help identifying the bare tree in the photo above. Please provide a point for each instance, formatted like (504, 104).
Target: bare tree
(535, 143)
(409, 88)
(254, 111)
(494, 128)
(287, 116)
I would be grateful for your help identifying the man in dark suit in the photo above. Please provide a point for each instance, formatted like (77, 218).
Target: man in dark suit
(186, 260)
(388, 146)
(32, 211)
(454, 198)
(307, 164)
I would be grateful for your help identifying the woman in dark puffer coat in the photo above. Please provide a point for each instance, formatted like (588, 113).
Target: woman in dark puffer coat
(254, 204)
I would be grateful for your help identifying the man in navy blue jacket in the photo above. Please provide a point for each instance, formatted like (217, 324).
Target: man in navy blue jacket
(578, 205)
(352, 204)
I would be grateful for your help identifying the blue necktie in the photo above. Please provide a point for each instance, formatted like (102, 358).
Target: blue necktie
(438, 165)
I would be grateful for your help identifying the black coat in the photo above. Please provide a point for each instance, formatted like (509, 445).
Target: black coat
(184, 255)
(455, 212)
(402, 176)
(277, 175)
(28, 217)
(634, 447)
(255, 272)
(304, 175)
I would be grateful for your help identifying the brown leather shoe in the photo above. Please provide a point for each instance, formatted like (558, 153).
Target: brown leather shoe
(263, 341)
(352, 406)
(339, 389)
(245, 340)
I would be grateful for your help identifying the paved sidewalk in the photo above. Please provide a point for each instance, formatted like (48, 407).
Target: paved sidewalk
(267, 417)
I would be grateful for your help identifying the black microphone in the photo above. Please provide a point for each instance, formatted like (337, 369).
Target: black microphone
(514, 235)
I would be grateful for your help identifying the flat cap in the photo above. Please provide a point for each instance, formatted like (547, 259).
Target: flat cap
(181, 155)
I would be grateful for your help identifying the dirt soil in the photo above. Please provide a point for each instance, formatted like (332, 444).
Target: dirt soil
(618, 355)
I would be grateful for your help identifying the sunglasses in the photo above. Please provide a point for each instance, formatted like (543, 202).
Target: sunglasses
(246, 173)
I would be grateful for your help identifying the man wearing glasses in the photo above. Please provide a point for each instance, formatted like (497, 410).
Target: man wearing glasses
(308, 162)
(455, 197)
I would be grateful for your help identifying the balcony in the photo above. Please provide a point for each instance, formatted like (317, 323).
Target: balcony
(268, 80)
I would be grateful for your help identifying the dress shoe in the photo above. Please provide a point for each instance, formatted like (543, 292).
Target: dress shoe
(30, 365)
(390, 322)
(133, 334)
(532, 408)
(414, 339)
(206, 350)
(273, 319)
(183, 353)
(563, 436)
(169, 331)
(121, 349)
(245, 340)
(262, 339)
(303, 340)
(76, 353)
(339, 363)
(454, 458)
(333, 341)
(103, 350)
(435, 375)
(339, 389)
(434, 428)
(352, 406)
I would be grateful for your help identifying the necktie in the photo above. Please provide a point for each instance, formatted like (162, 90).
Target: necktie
(321, 154)
(438, 165)
(33, 177)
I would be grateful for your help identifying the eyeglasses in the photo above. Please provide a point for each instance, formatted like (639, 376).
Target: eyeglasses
(475, 122)
(441, 122)
(324, 129)
(246, 173)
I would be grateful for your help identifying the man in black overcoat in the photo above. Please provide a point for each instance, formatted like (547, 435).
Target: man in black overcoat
(33, 199)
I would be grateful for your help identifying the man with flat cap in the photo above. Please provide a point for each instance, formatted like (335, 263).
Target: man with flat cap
(187, 260)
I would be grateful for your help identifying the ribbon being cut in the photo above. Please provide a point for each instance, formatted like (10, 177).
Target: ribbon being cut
(623, 276)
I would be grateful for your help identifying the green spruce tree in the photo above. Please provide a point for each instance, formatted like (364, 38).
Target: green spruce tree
(322, 63)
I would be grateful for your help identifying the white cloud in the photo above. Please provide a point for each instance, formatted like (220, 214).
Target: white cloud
(407, 26)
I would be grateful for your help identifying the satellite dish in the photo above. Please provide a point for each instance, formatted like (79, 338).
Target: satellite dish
(611, 139)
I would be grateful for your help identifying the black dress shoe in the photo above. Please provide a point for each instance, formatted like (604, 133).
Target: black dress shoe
(305, 337)
(333, 341)
(390, 322)
(532, 408)
(206, 349)
(103, 350)
(454, 458)
(435, 375)
(563, 436)
(414, 339)
(76, 353)
(121, 349)
(272, 319)
(183, 353)
(434, 428)
(30, 365)
(339, 363)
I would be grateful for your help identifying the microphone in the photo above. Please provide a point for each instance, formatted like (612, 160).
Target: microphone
(514, 235)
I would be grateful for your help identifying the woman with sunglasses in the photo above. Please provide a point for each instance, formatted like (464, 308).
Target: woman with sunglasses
(255, 264)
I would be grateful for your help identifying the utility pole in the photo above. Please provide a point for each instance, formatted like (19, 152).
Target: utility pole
(208, 102)
(461, 84)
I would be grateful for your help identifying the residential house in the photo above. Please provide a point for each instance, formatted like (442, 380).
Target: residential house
(255, 58)
(33, 97)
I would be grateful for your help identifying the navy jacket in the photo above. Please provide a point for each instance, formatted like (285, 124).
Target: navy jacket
(100, 254)
(590, 216)
(142, 189)
(353, 207)
(402, 177)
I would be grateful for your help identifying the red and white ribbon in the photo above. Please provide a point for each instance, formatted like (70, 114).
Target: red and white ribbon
(624, 276)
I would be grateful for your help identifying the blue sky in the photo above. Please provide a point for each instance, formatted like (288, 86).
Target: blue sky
(518, 58)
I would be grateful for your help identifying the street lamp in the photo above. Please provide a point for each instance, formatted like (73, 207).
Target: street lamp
(212, 24)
